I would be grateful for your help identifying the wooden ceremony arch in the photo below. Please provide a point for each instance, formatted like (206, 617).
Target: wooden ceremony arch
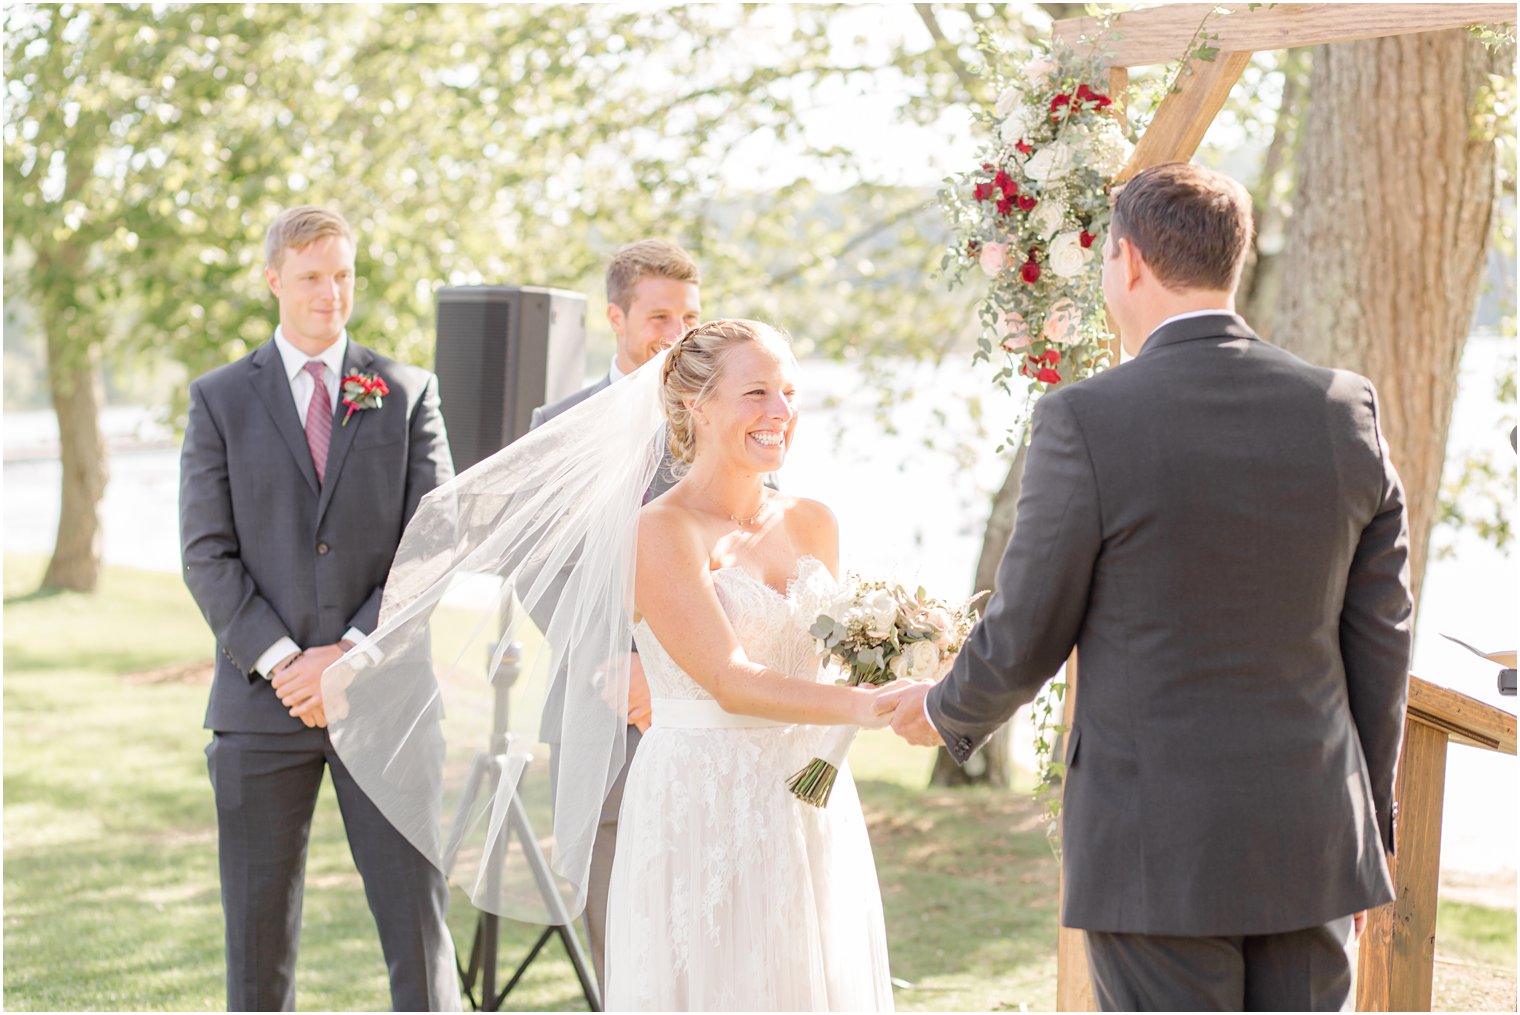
(1397, 952)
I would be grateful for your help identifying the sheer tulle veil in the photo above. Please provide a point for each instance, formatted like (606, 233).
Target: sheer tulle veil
(505, 626)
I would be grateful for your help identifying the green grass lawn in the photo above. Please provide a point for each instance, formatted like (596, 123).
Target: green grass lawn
(111, 889)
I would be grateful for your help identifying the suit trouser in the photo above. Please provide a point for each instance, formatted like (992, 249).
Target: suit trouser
(603, 849)
(266, 787)
(1301, 970)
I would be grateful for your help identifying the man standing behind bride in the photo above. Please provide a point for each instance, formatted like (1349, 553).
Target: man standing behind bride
(1217, 529)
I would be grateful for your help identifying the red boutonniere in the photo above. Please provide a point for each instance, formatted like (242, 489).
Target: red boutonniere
(362, 391)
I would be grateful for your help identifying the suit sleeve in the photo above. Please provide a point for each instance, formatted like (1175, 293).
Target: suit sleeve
(1376, 635)
(1036, 613)
(244, 622)
(429, 465)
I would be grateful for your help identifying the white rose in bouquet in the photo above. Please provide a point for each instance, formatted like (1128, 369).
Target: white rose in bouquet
(1068, 258)
(1048, 217)
(1049, 163)
(881, 613)
(917, 661)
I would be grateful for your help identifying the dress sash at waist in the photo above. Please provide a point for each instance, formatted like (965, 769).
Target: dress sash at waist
(701, 714)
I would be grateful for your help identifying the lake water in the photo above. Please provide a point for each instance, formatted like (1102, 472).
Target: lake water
(916, 514)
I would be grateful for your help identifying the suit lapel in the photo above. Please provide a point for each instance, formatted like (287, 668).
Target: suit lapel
(273, 386)
(356, 360)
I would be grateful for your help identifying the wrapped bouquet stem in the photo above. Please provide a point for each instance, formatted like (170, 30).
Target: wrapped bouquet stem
(815, 780)
(878, 632)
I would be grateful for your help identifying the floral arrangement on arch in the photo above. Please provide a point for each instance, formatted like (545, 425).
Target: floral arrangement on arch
(1033, 216)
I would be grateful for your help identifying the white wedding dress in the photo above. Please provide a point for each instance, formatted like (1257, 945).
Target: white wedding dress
(729, 893)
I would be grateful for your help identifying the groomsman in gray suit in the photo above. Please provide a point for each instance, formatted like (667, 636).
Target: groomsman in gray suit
(1217, 529)
(294, 490)
(653, 297)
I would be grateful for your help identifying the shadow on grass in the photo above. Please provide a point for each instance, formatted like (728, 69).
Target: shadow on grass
(35, 596)
(969, 886)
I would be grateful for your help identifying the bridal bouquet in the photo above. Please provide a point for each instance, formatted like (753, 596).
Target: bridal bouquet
(877, 632)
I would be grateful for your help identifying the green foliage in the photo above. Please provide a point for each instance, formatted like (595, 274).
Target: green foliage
(147, 147)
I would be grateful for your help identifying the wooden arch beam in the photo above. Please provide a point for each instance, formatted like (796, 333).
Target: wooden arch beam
(1160, 34)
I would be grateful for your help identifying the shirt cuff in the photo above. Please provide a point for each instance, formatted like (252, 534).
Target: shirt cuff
(272, 656)
(363, 656)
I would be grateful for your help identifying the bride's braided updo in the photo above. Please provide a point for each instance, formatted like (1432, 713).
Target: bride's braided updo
(693, 367)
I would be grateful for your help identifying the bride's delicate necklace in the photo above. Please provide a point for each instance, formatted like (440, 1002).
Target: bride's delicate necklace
(745, 523)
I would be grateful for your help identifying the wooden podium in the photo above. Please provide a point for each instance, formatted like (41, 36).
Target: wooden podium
(1396, 959)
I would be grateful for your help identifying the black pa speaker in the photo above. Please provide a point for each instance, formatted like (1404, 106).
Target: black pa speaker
(502, 352)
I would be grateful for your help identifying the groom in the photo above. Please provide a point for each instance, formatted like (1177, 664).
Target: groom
(1217, 529)
(291, 507)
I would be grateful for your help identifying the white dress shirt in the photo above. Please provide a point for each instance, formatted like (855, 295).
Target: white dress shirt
(300, 378)
(301, 387)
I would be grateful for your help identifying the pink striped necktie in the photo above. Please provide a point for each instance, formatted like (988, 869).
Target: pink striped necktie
(319, 417)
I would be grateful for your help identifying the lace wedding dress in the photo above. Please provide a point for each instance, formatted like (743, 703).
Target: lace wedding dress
(729, 893)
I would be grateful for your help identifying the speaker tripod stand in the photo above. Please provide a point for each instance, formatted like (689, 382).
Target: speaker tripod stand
(486, 770)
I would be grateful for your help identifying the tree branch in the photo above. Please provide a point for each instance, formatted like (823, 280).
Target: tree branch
(945, 46)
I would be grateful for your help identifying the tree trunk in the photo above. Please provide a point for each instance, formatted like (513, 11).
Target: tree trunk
(1260, 292)
(993, 765)
(1386, 250)
(74, 378)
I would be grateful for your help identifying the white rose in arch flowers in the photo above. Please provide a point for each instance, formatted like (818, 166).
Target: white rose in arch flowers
(1038, 72)
(1049, 163)
(1067, 257)
(1048, 217)
(1008, 101)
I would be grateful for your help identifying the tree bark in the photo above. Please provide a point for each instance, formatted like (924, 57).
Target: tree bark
(1386, 249)
(993, 765)
(1260, 293)
(78, 397)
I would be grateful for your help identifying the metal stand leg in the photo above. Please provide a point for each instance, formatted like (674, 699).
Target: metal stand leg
(483, 950)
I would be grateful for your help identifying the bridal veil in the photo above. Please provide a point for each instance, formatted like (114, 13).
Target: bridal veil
(441, 719)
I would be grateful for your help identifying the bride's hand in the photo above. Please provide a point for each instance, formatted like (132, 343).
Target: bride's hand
(873, 707)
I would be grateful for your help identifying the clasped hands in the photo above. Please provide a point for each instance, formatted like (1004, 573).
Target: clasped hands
(297, 679)
(900, 704)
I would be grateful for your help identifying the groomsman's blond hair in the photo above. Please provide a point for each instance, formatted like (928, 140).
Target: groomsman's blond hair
(298, 228)
(647, 259)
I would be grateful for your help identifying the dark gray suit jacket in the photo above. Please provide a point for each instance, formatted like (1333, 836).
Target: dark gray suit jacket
(1217, 529)
(267, 552)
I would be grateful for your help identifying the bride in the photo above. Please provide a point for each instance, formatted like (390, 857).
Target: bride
(727, 891)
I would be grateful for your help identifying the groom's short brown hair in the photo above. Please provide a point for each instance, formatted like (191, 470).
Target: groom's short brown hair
(1192, 225)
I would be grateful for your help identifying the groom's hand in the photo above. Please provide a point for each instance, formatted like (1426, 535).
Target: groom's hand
(299, 685)
(910, 721)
